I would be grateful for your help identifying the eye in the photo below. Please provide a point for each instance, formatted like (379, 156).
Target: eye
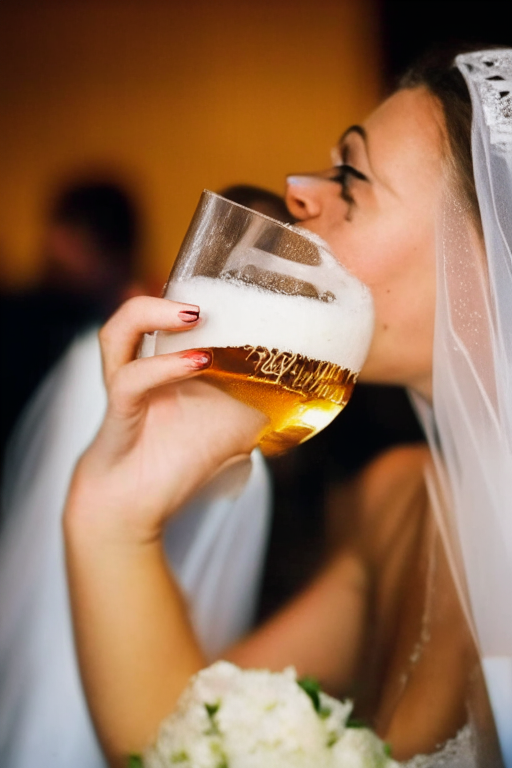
(344, 175)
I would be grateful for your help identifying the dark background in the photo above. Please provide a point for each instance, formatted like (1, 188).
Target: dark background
(376, 418)
(409, 28)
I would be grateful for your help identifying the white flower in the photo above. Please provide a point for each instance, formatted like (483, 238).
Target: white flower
(233, 718)
(361, 748)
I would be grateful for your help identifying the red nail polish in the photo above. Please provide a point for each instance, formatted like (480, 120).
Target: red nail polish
(189, 315)
(198, 358)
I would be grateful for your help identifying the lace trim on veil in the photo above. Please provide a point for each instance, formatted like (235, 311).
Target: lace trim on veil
(491, 71)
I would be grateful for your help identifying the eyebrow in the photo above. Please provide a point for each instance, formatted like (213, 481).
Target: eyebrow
(360, 131)
(363, 134)
(354, 129)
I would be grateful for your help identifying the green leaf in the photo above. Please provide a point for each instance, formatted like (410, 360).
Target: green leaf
(212, 709)
(180, 757)
(312, 687)
(219, 753)
(355, 722)
(135, 761)
(332, 739)
(387, 749)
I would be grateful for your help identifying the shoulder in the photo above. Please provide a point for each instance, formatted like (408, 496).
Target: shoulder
(398, 470)
(388, 495)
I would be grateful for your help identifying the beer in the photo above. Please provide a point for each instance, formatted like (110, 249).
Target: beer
(300, 396)
(294, 358)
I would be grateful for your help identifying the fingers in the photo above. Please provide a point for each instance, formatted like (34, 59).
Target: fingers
(120, 336)
(130, 384)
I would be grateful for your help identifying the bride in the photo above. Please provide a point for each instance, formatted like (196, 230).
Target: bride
(412, 610)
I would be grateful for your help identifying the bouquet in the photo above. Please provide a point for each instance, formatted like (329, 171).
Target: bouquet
(233, 718)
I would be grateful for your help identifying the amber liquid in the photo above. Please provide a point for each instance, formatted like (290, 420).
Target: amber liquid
(299, 395)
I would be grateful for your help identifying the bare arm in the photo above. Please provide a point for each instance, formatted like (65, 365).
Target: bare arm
(135, 645)
(163, 437)
(136, 662)
(324, 631)
(320, 632)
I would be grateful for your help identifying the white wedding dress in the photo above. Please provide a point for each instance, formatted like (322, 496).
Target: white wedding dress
(216, 550)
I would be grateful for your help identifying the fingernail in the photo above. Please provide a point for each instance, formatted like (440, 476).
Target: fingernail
(198, 358)
(189, 315)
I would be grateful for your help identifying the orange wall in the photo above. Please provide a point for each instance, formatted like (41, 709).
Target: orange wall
(175, 95)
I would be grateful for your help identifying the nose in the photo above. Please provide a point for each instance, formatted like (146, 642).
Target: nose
(304, 195)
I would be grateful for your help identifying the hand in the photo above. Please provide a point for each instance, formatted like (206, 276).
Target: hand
(165, 433)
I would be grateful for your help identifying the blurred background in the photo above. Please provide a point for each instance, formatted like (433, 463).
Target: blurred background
(170, 98)
(164, 98)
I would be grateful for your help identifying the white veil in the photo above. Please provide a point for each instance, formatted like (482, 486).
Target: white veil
(470, 428)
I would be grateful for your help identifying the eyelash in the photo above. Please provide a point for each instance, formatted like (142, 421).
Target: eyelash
(344, 175)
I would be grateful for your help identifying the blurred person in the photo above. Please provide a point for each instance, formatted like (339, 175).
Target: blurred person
(259, 199)
(90, 251)
(92, 243)
(216, 548)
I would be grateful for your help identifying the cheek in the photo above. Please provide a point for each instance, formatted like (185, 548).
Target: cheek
(399, 268)
(392, 251)
(390, 254)
(377, 258)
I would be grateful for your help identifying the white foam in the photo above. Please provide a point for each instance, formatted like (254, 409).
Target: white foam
(235, 314)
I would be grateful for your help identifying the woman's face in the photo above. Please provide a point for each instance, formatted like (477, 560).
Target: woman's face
(380, 223)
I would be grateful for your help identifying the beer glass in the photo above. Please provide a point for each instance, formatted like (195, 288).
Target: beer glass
(287, 326)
